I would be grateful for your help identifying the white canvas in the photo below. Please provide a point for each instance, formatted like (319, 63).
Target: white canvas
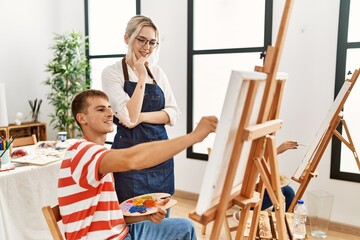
(335, 109)
(3, 109)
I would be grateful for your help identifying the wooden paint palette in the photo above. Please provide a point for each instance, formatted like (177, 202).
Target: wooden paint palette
(146, 204)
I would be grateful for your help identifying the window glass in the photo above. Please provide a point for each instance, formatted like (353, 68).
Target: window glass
(354, 19)
(97, 65)
(225, 35)
(211, 77)
(107, 23)
(351, 114)
(343, 165)
(228, 24)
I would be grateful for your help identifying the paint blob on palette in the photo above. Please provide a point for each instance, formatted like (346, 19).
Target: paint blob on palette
(146, 204)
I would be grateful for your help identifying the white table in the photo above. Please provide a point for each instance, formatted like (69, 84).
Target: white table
(23, 192)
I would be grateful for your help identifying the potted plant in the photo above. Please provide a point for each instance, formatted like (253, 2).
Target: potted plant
(68, 70)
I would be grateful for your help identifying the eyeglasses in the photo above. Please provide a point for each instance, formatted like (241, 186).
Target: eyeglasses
(143, 41)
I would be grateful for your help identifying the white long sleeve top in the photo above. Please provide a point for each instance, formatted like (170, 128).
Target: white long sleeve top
(113, 85)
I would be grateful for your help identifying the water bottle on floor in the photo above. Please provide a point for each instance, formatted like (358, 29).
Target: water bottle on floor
(299, 220)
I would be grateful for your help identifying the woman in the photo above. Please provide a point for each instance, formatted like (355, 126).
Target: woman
(143, 103)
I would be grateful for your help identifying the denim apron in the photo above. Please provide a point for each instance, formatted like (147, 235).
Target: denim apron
(159, 178)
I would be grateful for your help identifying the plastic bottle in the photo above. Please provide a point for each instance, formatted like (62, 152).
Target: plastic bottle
(299, 220)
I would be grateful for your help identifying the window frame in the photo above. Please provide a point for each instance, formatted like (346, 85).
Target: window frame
(88, 56)
(342, 47)
(87, 42)
(190, 153)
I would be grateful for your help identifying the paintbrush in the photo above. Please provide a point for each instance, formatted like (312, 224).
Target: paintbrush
(8, 145)
(31, 105)
(38, 108)
(34, 105)
(303, 145)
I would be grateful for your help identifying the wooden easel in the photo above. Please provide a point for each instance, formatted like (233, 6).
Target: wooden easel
(262, 158)
(310, 170)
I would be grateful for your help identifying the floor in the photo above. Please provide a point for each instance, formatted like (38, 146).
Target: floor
(184, 206)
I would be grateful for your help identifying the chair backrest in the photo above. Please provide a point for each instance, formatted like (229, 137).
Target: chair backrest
(52, 217)
(24, 141)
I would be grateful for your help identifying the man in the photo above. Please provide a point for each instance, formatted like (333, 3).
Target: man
(88, 203)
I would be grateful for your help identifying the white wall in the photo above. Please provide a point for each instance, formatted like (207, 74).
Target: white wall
(27, 29)
(308, 56)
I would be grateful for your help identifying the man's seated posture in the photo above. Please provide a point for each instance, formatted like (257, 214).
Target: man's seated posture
(286, 190)
(88, 203)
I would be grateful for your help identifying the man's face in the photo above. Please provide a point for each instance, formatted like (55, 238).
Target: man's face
(99, 116)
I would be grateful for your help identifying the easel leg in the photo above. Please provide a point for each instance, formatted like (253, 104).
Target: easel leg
(280, 226)
(299, 193)
(255, 221)
(227, 228)
(242, 222)
(349, 143)
(203, 229)
(275, 177)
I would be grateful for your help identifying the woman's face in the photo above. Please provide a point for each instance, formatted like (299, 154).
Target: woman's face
(146, 37)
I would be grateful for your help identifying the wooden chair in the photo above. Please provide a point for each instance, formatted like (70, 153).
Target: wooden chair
(24, 141)
(52, 217)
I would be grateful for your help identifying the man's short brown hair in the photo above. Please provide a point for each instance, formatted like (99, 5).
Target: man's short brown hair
(80, 102)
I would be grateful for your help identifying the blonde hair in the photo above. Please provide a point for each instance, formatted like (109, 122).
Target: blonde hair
(133, 28)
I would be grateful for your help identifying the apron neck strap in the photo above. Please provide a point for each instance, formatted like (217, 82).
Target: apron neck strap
(125, 71)
(126, 74)
(150, 74)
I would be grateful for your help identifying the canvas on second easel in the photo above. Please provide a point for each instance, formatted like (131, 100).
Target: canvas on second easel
(322, 130)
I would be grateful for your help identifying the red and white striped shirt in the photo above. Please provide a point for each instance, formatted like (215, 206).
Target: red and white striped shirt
(88, 205)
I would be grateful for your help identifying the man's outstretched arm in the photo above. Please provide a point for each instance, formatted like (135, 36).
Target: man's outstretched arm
(153, 153)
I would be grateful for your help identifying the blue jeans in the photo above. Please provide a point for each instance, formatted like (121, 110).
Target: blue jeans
(288, 193)
(168, 229)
